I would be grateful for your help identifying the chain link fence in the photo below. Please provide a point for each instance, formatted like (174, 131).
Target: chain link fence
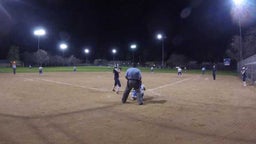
(250, 63)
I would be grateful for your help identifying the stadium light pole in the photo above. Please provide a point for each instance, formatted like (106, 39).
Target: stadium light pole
(63, 47)
(39, 32)
(133, 47)
(86, 51)
(114, 53)
(161, 37)
(238, 4)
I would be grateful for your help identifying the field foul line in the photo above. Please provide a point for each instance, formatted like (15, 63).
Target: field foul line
(74, 85)
(104, 90)
(28, 79)
(171, 84)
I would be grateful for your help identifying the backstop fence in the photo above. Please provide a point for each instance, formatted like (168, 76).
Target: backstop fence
(250, 63)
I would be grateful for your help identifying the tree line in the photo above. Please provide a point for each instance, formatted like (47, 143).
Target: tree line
(234, 50)
(41, 57)
(247, 48)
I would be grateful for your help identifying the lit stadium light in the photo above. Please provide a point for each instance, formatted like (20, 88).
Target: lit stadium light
(159, 36)
(239, 14)
(86, 51)
(114, 51)
(133, 46)
(39, 32)
(238, 2)
(63, 46)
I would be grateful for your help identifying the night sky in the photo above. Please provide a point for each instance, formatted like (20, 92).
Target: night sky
(198, 29)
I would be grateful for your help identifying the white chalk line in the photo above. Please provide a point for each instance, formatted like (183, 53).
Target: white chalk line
(170, 84)
(64, 83)
(28, 79)
(104, 90)
(69, 84)
(167, 85)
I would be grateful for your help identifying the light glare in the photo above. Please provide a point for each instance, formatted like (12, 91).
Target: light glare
(133, 46)
(238, 2)
(63, 46)
(159, 36)
(39, 32)
(113, 51)
(86, 51)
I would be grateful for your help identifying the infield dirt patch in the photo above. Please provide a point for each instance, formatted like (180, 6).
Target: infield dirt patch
(80, 108)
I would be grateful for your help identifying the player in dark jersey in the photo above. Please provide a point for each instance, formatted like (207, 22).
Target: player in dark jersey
(117, 84)
(244, 74)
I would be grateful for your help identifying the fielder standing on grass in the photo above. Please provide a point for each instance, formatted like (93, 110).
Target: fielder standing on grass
(214, 71)
(40, 70)
(117, 83)
(14, 67)
(74, 68)
(179, 71)
(133, 76)
(203, 70)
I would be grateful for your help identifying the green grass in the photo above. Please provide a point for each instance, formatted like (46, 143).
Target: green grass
(103, 69)
(220, 72)
(57, 69)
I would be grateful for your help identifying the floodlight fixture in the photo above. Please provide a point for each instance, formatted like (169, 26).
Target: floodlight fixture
(159, 36)
(63, 46)
(39, 32)
(114, 51)
(238, 2)
(86, 51)
(133, 46)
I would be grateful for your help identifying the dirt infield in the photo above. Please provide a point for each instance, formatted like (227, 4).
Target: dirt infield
(80, 108)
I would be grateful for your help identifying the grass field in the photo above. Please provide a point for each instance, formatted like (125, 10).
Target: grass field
(80, 108)
(102, 69)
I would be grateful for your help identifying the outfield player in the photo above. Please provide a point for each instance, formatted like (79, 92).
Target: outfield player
(117, 84)
(133, 76)
(14, 67)
(203, 70)
(179, 71)
(74, 68)
(40, 70)
(152, 69)
(214, 71)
